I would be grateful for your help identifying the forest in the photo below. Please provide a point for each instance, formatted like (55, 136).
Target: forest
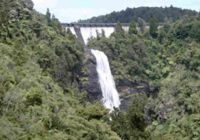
(40, 76)
(162, 14)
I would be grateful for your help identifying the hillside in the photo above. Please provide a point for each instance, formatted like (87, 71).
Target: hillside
(126, 16)
(44, 73)
(169, 63)
(39, 95)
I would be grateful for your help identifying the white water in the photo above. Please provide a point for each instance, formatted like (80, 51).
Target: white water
(108, 88)
(91, 32)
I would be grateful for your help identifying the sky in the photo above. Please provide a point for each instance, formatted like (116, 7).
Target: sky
(73, 10)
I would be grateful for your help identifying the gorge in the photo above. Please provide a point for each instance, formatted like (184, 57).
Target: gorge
(53, 88)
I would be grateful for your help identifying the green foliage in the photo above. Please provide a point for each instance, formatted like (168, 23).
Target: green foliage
(39, 98)
(4, 12)
(94, 111)
(177, 106)
(170, 65)
(141, 24)
(39, 66)
(153, 27)
(48, 16)
(131, 125)
(126, 53)
(119, 32)
(132, 28)
(126, 16)
(190, 58)
(188, 27)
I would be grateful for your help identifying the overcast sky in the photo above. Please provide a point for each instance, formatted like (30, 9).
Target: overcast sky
(73, 10)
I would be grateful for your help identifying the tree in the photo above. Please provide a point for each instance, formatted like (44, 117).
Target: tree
(48, 16)
(118, 28)
(103, 33)
(125, 16)
(153, 27)
(119, 31)
(141, 24)
(131, 125)
(55, 23)
(132, 28)
(98, 34)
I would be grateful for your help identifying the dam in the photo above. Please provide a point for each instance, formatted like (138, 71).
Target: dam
(85, 31)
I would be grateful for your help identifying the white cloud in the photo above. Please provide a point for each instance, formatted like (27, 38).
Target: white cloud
(42, 5)
(50, 3)
(74, 14)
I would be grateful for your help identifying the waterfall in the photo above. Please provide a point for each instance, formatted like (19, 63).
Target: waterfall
(108, 88)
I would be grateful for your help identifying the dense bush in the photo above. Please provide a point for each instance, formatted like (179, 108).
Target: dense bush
(39, 66)
(39, 98)
(170, 65)
(126, 16)
(188, 27)
(131, 124)
(127, 54)
(177, 106)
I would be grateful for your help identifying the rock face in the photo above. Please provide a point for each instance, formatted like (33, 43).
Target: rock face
(89, 78)
(93, 88)
(89, 82)
(127, 88)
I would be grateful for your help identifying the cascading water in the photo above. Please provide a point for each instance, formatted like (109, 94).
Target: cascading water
(108, 88)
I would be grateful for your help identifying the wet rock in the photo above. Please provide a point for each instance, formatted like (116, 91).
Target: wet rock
(130, 87)
(89, 82)
(89, 78)
(125, 102)
(127, 88)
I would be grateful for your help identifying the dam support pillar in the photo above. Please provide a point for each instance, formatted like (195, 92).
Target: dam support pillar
(79, 35)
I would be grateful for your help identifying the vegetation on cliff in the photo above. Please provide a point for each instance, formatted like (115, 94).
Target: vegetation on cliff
(169, 63)
(39, 98)
(40, 64)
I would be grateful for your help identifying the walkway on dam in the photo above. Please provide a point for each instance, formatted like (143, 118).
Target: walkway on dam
(100, 24)
(92, 24)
